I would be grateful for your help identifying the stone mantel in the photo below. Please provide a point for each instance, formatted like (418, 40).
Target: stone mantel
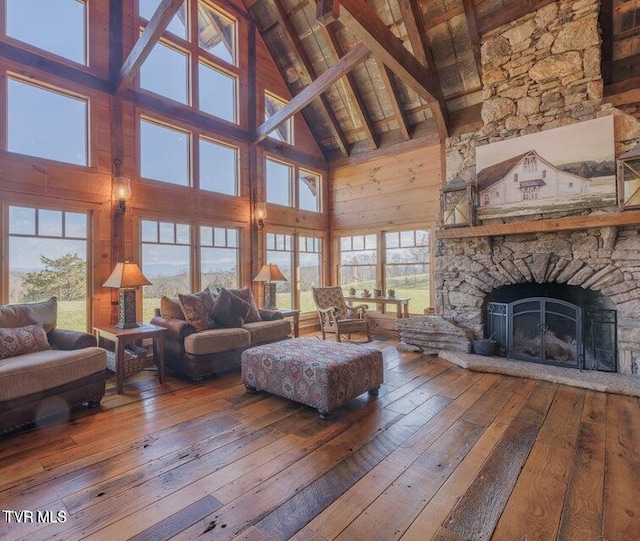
(571, 223)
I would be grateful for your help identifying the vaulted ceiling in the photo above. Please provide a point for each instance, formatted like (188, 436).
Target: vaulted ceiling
(367, 74)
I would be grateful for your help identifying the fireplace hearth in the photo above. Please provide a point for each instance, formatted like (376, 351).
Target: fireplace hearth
(554, 324)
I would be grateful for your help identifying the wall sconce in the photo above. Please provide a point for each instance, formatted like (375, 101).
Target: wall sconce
(260, 214)
(121, 193)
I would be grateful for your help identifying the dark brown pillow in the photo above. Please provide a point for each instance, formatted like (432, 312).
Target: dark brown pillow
(21, 340)
(247, 296)
(229, 310)
(198, 309)
(171, 308)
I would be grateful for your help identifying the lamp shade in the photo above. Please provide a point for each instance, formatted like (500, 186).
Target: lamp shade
(126, 275)
(270, 273)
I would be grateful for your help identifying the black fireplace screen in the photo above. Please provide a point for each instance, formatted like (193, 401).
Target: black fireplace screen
(552, 331)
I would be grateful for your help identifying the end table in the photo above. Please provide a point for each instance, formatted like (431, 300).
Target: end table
(295, 314)
(123, 337)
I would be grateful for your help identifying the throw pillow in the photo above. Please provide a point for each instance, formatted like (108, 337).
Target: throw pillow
(198, 309)
(19, 340)
(171, 308)
(247, 296)
(229, 310)
(20, 315)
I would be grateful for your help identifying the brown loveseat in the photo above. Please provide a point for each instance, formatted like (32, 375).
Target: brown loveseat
(207, 332)
(44, 371)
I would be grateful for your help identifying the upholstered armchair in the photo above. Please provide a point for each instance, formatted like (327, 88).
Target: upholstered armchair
(335, 316)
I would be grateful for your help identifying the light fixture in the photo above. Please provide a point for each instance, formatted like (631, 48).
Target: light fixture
(269, 274)
(121, 193)
(126, 277)
(260, 214)
(457, 203)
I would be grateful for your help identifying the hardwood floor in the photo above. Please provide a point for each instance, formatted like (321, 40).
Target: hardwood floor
(442, 453)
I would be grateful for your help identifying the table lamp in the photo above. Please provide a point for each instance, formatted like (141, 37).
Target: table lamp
(126, 276)
(269, 274)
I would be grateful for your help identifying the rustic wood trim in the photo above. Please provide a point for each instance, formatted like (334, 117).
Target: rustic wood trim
(308, 94)
(628, 85)
(625, 68)
(365, 24)
(294, 39)
(150, 35)
(392, 90)
(624, 97)
(288, 152)
(327, 11)
(435, 21)
(509, 13)
(542, 226)
(471, 15)
(116, 18)
(605, 20)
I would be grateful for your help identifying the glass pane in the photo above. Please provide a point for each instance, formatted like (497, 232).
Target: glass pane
(271, 241)
(370, 242)
(50, 223)
(57, 27)
(165, 72)
(220, 236)
(22, 221)
(206, 236)
(278, 183)
(217, 93)
(232, 238)
(392, 240)
(284, 291)
(149, 231)
(218, 168)
(46, 124)
(164, 153)
(407, 238)
(345, 243)
(75, 225)
(168, 269)
(176, 26)
(284, 132)
(310, 265)
(219, 267)
(183, 234)
(308, 191)
(216, 33)
(358, 243)
(167, 232)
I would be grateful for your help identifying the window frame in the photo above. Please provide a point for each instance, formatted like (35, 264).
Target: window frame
(281, 102)
(294, 184)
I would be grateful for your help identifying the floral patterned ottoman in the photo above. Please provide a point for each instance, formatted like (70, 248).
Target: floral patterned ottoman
(323, 375)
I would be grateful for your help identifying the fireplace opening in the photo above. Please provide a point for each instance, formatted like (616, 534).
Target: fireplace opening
(554, 324)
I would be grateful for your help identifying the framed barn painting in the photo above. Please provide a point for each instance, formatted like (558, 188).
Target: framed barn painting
(557, 170)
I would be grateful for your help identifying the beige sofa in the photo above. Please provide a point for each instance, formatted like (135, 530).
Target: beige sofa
(45, 371)
(198, 353)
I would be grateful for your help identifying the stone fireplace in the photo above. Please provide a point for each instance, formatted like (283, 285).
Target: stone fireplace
(541, 72)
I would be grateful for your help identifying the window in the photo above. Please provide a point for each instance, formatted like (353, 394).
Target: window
(530, 164)
(218, 167)
(164, 153)
(308, 191)
(280, 252)
(310, 270)
(284, 132)
(217, 92)
(166, 257)
(176, 26)
(278, 181)
(56, 27)
(358, 260)
(165, 72)
(46, 123)
(219, 257)
(406, 268)
(217, 33)
(48, 257)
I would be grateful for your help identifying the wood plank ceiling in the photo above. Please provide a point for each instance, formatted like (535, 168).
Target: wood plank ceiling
(422, 78)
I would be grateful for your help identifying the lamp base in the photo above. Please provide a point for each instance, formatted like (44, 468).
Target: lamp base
(127, 309)
(270, 295)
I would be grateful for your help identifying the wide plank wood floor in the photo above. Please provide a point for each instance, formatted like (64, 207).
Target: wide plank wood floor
(442, 453)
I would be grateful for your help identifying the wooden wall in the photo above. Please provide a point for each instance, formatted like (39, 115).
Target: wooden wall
(388, 192)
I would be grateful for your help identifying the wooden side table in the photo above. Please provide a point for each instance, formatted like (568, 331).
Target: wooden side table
(295, 315)
(123, 337)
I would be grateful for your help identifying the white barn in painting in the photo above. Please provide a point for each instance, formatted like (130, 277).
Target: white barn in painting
(526, 177)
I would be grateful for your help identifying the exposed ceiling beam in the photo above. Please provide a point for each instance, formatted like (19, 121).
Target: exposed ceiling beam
(365, 24)
(309, 93)
(471, 15)
(152, 32)
(336, 50)
(294, 39)
(390, 85)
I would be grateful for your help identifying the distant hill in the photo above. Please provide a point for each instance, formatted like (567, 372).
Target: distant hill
(590, 169)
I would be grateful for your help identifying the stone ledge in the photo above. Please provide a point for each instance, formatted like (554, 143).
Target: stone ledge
(604, 382)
